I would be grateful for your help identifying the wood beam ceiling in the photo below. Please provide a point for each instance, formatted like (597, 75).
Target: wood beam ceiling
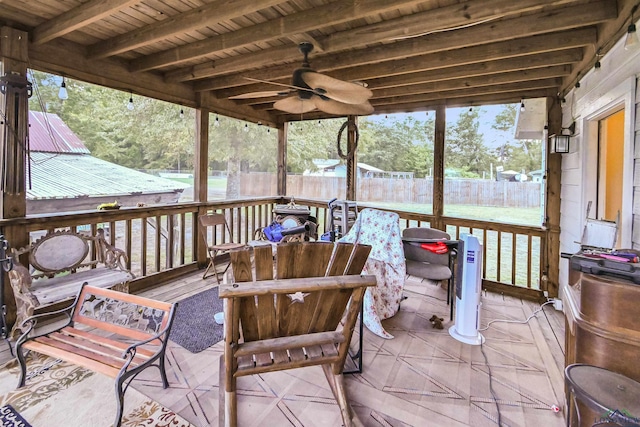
(356, 67)
(394, 29)
(76, 18)
(335, 13)
(412, 53)
(203, 16)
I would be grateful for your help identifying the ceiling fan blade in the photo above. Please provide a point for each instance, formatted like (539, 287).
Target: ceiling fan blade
(295, 105)
(339, 90)
(340, 108)
(262, 94)
(279, 84)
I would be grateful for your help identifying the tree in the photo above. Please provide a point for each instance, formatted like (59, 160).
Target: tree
(464, 147)
(518, 154)
(151, 136)
(239, 143)
(397, 145)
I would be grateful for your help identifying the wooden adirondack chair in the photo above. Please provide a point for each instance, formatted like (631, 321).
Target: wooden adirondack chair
(304, 317)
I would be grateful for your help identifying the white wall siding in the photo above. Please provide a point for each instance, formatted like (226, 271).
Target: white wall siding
(600, 94)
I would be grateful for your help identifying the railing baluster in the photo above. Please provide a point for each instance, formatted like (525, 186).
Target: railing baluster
(143, 246)
(499, 256)
(514, 248)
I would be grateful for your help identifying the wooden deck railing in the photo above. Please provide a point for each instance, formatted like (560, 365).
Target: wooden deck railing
(513, 255)
(162, 242)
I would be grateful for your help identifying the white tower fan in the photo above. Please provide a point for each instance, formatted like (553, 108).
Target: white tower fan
(468, 291)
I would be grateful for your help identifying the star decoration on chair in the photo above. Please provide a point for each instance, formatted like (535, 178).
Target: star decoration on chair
(298, 297)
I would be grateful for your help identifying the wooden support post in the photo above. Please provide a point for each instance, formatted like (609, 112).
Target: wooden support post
(438, 168)
(14, 101)
(201, 177)
(201, 158)
(282, 159)
(551, 253)
(352, 161)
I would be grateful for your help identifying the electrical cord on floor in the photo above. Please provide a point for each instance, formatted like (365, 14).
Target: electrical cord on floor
(516, 321)
(493, 394)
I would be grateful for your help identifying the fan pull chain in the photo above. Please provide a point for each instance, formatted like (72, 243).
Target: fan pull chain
(346, 124)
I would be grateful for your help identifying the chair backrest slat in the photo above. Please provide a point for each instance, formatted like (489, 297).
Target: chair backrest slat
(267, 315)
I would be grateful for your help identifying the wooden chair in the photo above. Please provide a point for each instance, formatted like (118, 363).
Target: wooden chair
(210, 223)
(304, 317)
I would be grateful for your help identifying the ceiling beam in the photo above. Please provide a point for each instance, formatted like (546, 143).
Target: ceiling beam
(553, 83)
(497, 79)
(203, 16)
(66, 58)
(457, 71)
(429, 61)
(332, 14)
(455, 89)
(528, 62)
(81, 16)
(430, 105)
(566, 18)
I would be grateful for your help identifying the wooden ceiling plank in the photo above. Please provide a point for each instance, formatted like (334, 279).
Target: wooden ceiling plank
(571, 17)
(463, 14)
(466, 101)
(445, 17)
(457, 71)
(478, 81)
(430, 105)
(528, 62)
(204, 16)
(429, 61)
(502, 78)
(76, 18)
(483, 90)
(331, 14)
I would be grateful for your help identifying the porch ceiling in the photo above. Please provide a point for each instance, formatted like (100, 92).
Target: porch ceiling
(414, 55)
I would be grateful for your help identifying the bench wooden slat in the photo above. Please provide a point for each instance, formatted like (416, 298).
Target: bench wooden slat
(95, 345)
(105, 341)
(74, 358)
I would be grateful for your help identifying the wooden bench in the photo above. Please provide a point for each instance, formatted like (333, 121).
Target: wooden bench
(110, 332)
(61, 262)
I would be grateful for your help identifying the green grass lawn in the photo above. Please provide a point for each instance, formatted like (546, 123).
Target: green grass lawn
(217, 183)
(520, 216)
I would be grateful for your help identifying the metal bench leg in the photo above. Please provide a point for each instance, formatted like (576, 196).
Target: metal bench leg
(23, 365)
(163, 372)
(119, 401)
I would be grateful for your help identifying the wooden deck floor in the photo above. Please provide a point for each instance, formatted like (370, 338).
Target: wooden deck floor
(421, 377)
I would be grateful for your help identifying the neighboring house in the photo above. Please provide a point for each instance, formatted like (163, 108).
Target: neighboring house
(334, 167)
(537, 175)
(64, 176)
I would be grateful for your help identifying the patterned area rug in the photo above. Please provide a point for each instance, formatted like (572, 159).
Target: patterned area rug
(194, 327)
(60, 394)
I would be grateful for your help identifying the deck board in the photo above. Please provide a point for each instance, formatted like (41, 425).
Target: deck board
(421, 377)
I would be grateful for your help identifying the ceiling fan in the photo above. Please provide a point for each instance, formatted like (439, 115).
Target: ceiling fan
(310, 90)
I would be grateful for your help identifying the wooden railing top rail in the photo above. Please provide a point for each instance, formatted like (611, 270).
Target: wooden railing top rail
(62, 219)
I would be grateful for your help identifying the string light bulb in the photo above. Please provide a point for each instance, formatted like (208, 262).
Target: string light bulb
(130, 105)
(246, 127)
(216, 123)
(62, 93)
(522, 107)
(631, 41)
(182, 113)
